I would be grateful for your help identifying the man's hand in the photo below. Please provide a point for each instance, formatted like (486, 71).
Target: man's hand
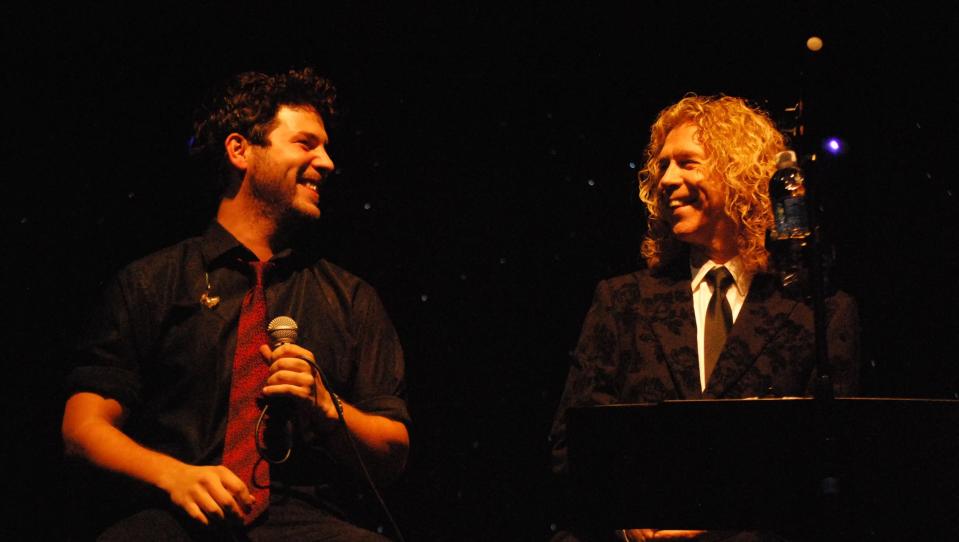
(91, 430)
(207, 492)
(291, 375)
(642, 535)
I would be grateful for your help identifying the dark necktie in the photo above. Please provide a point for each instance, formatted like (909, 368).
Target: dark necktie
(719, 318)
(250, 372)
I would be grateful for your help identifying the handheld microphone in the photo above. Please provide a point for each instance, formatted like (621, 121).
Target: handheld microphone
(281, 330)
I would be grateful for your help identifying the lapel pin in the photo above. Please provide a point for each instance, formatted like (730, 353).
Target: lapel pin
(206, 299)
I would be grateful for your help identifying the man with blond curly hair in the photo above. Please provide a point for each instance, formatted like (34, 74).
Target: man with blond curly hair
(707, 319)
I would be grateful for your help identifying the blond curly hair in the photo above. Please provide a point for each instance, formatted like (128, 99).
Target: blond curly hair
(741, 143)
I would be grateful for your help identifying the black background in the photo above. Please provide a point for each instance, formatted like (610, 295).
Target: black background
(486, 180)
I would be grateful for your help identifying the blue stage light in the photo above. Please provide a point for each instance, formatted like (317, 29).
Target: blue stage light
(834, 146)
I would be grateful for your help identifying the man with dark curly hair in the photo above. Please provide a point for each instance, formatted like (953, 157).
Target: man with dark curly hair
(155, 388)
(707, 319)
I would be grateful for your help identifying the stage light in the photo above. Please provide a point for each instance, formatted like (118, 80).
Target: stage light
(834, 146)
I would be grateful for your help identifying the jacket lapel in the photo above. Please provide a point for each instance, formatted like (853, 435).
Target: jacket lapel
(763, 314)
(673, 323)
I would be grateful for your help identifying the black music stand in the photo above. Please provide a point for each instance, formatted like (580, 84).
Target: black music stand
(760, 464)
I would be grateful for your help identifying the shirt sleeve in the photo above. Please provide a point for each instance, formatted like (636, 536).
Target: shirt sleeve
(104, 356)
(592, 378)
(378, 385)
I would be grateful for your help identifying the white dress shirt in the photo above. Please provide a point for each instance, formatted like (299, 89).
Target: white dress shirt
(703, 290)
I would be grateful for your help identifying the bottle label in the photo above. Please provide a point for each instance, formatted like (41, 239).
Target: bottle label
(791, 219)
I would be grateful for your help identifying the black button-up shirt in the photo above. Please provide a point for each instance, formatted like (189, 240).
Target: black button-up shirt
(167, 357)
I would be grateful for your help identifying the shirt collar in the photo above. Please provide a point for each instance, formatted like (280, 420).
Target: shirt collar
(735, 267)
(219, 247)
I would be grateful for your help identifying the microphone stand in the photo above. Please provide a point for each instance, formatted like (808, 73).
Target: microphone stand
(829, 489)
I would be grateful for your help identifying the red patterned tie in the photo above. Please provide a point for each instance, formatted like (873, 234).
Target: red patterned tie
(250, 372)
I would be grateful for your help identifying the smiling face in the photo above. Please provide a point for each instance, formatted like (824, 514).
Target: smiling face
(285, 175)
(692, 200)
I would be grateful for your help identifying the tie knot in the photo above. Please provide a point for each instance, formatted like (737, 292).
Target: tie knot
(720, 278)
(259, 269)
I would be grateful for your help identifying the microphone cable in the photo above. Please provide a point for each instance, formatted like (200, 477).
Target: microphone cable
(338, 405)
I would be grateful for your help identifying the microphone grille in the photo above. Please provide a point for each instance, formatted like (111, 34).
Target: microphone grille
(282, 329)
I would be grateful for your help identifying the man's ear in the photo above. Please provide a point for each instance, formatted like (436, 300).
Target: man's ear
(237, 150)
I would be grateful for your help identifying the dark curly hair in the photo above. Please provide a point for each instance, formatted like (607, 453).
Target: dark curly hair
(247, 104)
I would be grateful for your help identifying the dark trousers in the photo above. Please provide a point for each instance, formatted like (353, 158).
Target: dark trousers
(293, 520)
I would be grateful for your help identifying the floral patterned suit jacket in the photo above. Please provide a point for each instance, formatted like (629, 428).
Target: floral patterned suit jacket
(638, 344)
